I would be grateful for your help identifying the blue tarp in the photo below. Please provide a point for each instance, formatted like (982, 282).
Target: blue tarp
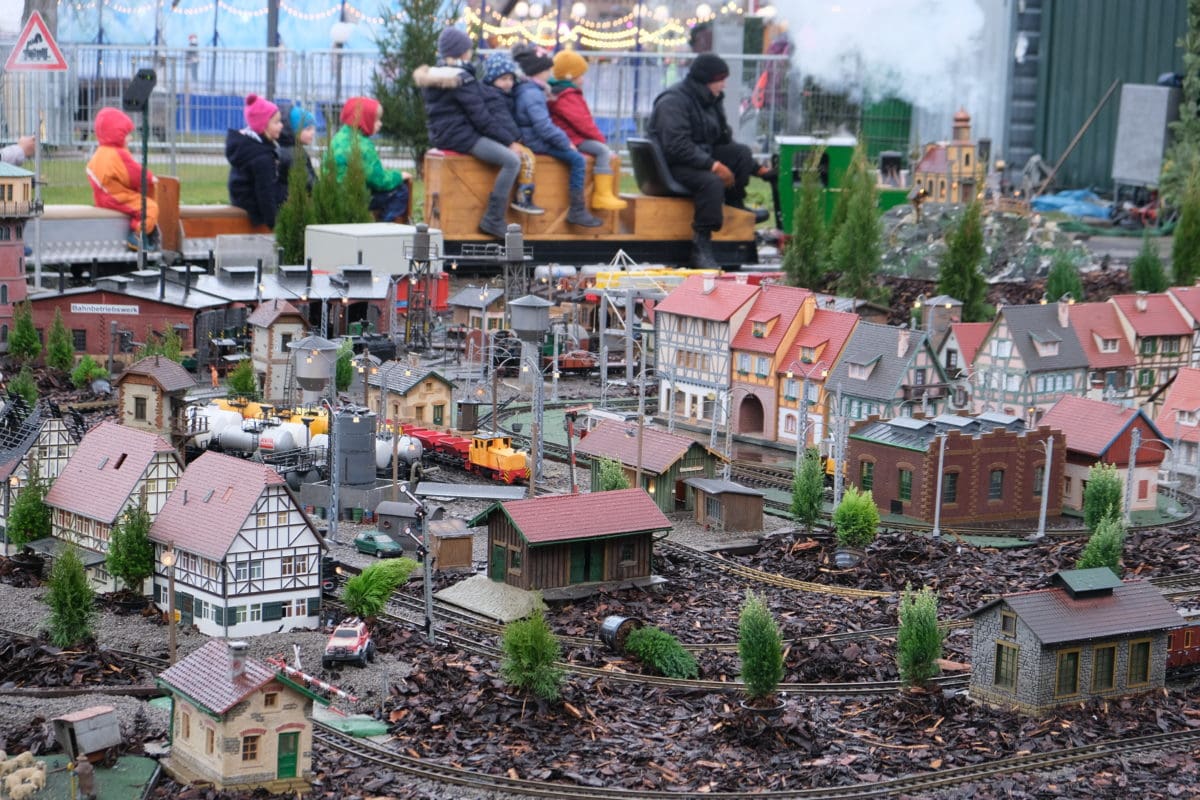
(1074, 203)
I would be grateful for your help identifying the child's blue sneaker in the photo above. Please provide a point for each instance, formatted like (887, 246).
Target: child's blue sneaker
(133, 241)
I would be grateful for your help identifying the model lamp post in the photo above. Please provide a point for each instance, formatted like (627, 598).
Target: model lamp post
(1136, 436)
(530, 320)
(937, 503)
(168, 561)
(805, 372)
(1048, 446)
(367, 365)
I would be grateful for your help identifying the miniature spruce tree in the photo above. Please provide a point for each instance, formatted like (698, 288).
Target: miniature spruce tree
(60, 348)
(662, 652)
(1104, 546)
(242, 381)
(297, 213)
(855, 252)
(856, 518)
(130, 553)
(1146, 272)
(530, 654)
(808, 490)
(805, 253)
(1063, 278)
(327, 192)
(366, 594)
(958, 272)
(919, 639)
(760, 649)
(25, 385)
(1102, 497)
(1185, 248)
(71, 601)
(356, 197)
(23, 342)
(344, 366)
(86, 371)
(29, 516)
(612, 475)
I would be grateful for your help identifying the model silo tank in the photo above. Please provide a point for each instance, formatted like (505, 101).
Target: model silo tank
(355, 441)
(316, 358)
(238, 440)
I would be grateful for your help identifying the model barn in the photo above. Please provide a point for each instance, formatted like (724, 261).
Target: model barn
(571, 539)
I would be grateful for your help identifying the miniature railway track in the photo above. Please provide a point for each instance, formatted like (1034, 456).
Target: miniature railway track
(448, 774)
(1178, 586)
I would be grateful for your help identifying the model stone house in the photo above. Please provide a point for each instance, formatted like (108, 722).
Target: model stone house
(993, 468)
(813, 352)
(411, 394)
(1090, 635)
(667, 460)
(1029, 358)
(114, 469)
(953, 172)
(694, 329)
(560, 541)
(274, 325)
(38, 437)
(1179, 421)
(887, 371)
(479, 308)
(238, 723)
(1162, 341)
(152, 396)
(760, 348)
(1110, 355)
(1102, 432)
(248, 558)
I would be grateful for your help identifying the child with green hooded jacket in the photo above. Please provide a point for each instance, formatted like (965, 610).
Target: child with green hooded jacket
(361, 119)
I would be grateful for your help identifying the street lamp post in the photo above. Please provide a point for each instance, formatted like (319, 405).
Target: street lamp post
(837, 447)
(1048, 446)
(802, 422)
(1136, 437)
(168, 561)
(937, 503)
(641, 417)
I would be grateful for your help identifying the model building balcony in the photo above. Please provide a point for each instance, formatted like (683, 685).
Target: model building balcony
(925, 391)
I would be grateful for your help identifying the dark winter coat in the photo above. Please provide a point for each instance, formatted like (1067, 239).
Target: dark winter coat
(504, 124)
(688, 121)
(538, 131)
(456, 112)
(255, 183)
(571, 113)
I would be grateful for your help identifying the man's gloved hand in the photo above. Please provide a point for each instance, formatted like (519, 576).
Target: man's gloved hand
(724, 173)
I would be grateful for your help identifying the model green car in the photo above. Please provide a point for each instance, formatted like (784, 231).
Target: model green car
(377, 544)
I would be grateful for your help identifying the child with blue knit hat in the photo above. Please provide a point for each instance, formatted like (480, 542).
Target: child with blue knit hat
(499, 78)
(299, 130)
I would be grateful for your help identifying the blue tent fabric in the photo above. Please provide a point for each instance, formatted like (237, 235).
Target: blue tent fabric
(1074, 203)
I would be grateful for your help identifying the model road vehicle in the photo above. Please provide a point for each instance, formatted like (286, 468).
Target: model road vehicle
(350, 641)
(380, 545)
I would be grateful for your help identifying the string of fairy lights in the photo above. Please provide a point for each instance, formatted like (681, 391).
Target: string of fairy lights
(642, 26)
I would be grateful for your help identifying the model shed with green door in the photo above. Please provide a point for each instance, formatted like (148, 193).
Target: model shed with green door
(573, 540)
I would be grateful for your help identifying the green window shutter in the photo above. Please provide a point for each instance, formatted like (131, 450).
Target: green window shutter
(219, 615)
(272, 611)
(314, 606)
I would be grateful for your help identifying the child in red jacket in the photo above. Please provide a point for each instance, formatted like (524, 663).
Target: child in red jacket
(116, 177)
(571, 113)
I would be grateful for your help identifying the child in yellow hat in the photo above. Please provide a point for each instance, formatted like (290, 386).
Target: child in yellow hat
(571, 113)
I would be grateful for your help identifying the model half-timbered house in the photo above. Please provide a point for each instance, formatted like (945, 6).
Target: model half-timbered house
(42, 439)
(114, 469)
(1162, 342)
(804, 369)
(247, 557)
(887, 371)
(1110, 356)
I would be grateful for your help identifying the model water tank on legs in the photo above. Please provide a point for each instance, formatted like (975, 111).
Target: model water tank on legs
(355, 442)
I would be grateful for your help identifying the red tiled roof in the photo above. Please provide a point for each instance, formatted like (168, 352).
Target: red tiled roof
(204, 676)
(563, 517)
(1092, 320)
(171, 376)
(688, 299)
(1188, 297)
(611, 439)
(969, 336)
(1056, 618)
(211, 503)
(934, 160)
(1091, 427)
(781, 303)
(1161, 317)
(828, 327)
(1183, 395)
(104, 471)
(270, 310)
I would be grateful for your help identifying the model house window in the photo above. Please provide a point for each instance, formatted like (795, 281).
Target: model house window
(514, 561)
(790, 424)
(627, 556)
(807, 354)
(3, 294)
(139, 409)
(250, 748)
(78, 339)
(761, 365)
(1001, 348)
(996, 485)
(712, 508)
(210, 740)
(1039, 477)
(1170, 345)
(439, 414)
(1145, 377)
(1006, 665)
(238, 613)
(185, 725)
(1149, 346)
(1143, 490)
(918, 377)
(950, 487)
(789, 389)
(296, 608)
(1139, 662)
(1008, 623)
(281, 518)
(1066, 681)
(261, 520)
(759, 329)
(743, 362)
(255, 612)
(248, 570)
(1066, 486)
(287, 567)
(1104, 663)
(866, 475)
(1108, 345)
(271, 700)
(951, 359)
(905, 484)
(859, 371)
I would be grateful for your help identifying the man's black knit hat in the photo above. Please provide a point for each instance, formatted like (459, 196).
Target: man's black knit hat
(708, 68)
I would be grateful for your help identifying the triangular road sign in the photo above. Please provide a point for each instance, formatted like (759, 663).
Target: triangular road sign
(36, 50)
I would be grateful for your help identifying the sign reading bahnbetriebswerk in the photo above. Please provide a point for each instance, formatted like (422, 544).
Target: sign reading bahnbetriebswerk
(102, 308)
(35, 50)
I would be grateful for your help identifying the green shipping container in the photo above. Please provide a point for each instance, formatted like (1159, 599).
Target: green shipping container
(885, 126)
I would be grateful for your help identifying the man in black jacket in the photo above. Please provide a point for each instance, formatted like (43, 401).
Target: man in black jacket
(688, 122)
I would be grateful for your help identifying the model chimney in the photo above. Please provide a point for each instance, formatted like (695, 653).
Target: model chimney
(1140, 303)
(902, 341)
(710, 283)
(237, 660)
(1064, 309)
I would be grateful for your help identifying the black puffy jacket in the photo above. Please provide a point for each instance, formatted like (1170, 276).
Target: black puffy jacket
(688, 121)
(456, 113)
(254, 176)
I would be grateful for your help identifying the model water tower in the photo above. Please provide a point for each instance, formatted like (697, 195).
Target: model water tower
(316, 366)
(355, 434)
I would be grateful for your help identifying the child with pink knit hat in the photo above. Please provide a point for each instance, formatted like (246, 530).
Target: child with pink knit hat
(256, 183)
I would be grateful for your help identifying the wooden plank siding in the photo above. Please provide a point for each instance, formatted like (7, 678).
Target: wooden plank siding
(667, 488)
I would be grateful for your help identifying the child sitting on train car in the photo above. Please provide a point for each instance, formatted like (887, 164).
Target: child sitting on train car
(299, 130)
(499, 78)
(257, 185)
(362, 118)
(571, 113)
(541, 135)
(116, 178)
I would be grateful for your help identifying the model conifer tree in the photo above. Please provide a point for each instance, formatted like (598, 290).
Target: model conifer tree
(958, 273)
(1063, 279)
(356, 197)
(1104, 546)
(23, 342)
(808, 490)
(71, 601)
(856, 519)
(242, 381)
(1102, 497)
(86, 371)
(1185, 249)
(29, 516)
(803, 260)
(855, 252)
(530, 651)
(297, 213)
(130, 553)
(327, 191)
(25, 385)
(612, 475)
(168, 345)
(60, 347)
(1146, 272)
(919, 640)
(760, 649)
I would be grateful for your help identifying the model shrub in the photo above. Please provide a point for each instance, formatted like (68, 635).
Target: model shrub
(29, 517)
(1063, 278)
(343, 368)
(856, 518)
(1102, 497)
(242, 380)
(25, 385)
(919, 639)
(167, 345)
(760, 648)
(958, 270)
(661, 652)
(1146, 272)
(530, 655)
(612, 475)
(60, 346)
(1103, 548)
(808, 490)
(86, 371)
(367, 593)
(71, 601)
(23, 343)
(130, 553)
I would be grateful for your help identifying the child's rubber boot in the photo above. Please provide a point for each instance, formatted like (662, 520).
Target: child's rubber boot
(603, 196)
(523, 201)
(133, 241)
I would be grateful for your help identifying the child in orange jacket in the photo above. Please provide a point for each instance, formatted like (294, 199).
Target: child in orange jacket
(116, 177)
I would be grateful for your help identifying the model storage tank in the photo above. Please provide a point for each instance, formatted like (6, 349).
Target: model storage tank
(355, 441)
(408, 450)
(316, 358)
(319, 441)
(285, 436)
(238, 440)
